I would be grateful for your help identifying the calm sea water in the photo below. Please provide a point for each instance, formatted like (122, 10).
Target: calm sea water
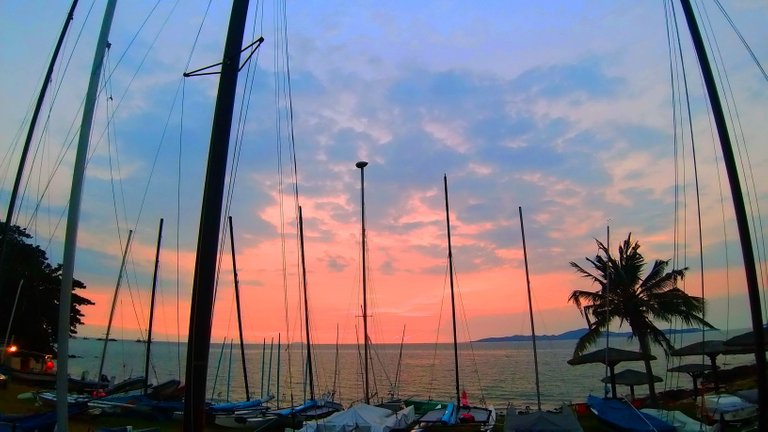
(500, 372)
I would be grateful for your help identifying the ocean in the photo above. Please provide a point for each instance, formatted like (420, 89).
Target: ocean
(498, 372)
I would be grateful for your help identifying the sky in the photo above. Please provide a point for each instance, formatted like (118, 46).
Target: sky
(564, 109)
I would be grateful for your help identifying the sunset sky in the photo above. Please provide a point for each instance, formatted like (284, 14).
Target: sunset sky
(563, 108)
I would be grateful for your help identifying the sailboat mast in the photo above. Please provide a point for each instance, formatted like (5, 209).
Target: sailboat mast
(362, 165)
(30, 133)
(396, 389)
(607, 294)
(748, 255)
(114, 304)
(152, 307)
(73, 219)
(453, 301)
(530, 311)
(237, 302)
(201, 307)
(310, 374)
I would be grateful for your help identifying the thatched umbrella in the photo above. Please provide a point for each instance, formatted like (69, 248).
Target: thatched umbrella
(631, 378)
(711, 349)
(695, 371)
(747, 340)
(610, 357)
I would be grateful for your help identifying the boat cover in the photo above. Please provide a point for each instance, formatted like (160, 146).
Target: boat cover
(362, 418)
(225, 407)
(728, 406)
(541, 421)
(682, 422)
(623, 416)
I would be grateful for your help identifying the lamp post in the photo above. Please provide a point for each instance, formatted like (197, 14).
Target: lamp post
(361, 165)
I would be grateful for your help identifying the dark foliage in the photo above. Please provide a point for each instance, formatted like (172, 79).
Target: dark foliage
(36, 320)
(625, 295)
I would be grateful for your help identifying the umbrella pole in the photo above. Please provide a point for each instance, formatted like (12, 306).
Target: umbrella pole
(695, 388)
(632, 392)
(713, 361)
(613, 381)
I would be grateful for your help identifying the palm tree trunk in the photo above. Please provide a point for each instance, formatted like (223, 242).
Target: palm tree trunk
(645, 348)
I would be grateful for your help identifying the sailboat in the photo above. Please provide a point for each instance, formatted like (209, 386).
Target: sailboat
(292, 417)
(363, 415)
(231, 414)
(561, 420)
(458, 412)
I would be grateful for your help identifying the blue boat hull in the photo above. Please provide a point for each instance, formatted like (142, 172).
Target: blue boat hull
(623, 416)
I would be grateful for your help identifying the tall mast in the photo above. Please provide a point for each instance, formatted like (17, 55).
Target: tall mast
(748, 255)
(310, 375)
(453, 301)
(530, 312)
(361, 165)
(73, 220)
(239, 316)
(607, 294)
(201, 307)
(114, 304)
(30, 133)
(152, 307)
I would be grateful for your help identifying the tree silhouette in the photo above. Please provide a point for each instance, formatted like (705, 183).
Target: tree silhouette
(36, 318)
(639, 301)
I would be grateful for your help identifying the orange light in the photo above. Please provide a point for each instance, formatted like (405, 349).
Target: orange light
(13, 348)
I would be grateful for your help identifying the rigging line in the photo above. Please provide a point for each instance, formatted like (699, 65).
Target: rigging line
(178, 224)
(71, 136)
(7, 161)
(182, 85)
(106, 84)
(680, 177)
(112, 140)
(136, 35)
(469, 336)
(739, 137)
(672, 77)
(75, 118)
(55, 92)
(245, 102)
(432, 380)
(672, 54)
(281, 205)
(697, 189)
(741, 37)
(283, 25)
(290, 102)
(59, 160)
(238, 143)
(123, 97)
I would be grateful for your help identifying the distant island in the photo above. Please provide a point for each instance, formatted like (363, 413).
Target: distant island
(574, 334)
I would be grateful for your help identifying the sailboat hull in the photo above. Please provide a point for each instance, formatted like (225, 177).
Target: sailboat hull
(622, 416)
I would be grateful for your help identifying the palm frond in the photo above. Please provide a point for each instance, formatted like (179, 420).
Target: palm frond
(627, 296)
(586, 341)
(595, 278)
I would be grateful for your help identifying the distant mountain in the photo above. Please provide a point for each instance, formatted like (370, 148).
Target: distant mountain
(572, 335)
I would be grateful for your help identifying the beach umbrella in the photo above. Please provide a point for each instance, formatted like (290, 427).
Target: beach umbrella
(711, 349)
(609, 357)
(746, 340)
(695, 371)
(631, 378)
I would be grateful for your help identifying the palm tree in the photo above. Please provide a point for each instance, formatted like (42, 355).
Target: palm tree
(625, 295)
